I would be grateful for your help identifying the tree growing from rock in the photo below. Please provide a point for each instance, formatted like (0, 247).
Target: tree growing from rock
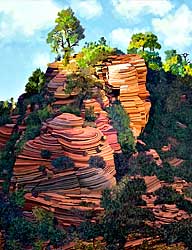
(66, 34)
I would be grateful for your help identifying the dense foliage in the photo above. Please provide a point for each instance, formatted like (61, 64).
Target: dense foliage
(122, 214)
(5, 111)
(7, 160)
(178, 232)
(177, 64)
(21, 233)
(63, 162)
(96, 162)
(94, 52)
(71, 108)
(172, 97)
(145, 45)
(141, 41)
(121, 122)
(35, 83)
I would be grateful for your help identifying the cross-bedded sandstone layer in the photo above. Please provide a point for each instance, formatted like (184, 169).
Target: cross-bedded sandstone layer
(58, 189)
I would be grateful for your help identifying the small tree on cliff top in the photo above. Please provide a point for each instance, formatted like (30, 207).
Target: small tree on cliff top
(66, 34)
(141, 41)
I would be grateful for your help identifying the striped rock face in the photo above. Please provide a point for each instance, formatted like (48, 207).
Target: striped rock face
(125, 75)
(65, 136)
(5, 134)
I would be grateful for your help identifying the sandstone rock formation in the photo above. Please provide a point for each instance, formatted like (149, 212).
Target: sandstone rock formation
(56, 79)
(103, 124)
(168, 213)
(64, 135)
(179, 185)
(152, 183)
(125, 75)
(5, 133)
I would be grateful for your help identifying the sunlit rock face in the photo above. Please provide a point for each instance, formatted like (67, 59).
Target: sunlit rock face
(63, 190)
(125, 75)
(64, 136)
(56, 78)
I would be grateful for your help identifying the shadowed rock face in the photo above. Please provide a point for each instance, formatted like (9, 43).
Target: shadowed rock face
(2, 240)
(5, 133)
(65, 136)
(167, 213)
(103, 124)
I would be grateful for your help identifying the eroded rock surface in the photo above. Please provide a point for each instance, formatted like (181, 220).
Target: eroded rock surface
(65, 136)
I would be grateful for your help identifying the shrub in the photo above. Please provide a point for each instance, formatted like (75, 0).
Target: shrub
(4, 119)
(188, 191)
(17, 198)
(96, 162)
(32, 132)
(72, 109)
(167, 195)
(41, 168)
(63, 162)
(33, 119)
(82, 82)
(121, 122)
(89, 114)
(44, 113)
(46, 154)
(94, 52)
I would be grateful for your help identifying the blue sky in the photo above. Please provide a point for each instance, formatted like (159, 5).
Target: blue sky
(24, 25)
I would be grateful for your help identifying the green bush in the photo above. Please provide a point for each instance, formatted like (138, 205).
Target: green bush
(96, 162)
(46, 154)
(70, 108)
(42, 168)
(188, 191)
(63, 162)
(94, 52)
(90, 115)
(33, 119)
(167, 195)
(5, 119)
(17, 198)
(45, 113)
(122, 216)
(121, 122)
